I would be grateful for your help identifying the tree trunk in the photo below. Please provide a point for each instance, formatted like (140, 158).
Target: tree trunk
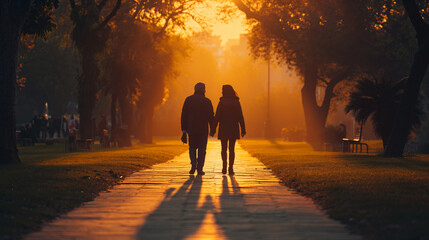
(146, 124)
(12, 17)
(113, 116)
(125, 110)
(400, 130)
(402, 123)
(315, 116)
(87, 93)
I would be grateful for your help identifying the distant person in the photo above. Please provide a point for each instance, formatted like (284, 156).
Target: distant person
(44, 126)
(51, 127)
(64, 126)
(197, 115)
(229, 115)
(36, 123)
(57, 125)
(71, 123)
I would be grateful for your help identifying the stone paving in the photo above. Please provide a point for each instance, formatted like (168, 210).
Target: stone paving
(164, 202)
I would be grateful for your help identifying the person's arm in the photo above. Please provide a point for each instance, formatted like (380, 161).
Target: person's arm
(216, 119)
(211, 119)
(184, 117)
(241, 121)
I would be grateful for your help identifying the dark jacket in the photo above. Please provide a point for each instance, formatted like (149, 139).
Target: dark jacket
(229, 115)
(197, 114)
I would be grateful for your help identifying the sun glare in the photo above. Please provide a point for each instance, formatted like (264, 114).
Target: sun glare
(232, 29)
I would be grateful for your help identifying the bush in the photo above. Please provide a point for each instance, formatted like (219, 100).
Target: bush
(294, 134)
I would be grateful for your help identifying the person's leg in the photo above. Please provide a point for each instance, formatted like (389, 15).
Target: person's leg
(193, 153)
(224, 143)
(202, 146)
(231, 156)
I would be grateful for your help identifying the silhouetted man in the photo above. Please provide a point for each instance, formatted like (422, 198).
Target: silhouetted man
(197, 115)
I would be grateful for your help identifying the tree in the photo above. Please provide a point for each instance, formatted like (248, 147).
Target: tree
(90, 34)
(130, 54)
(327, 42)
(379, 100)
(141, 58)
(17, 17)
(403, 120)
(153, 87)
(50, 70)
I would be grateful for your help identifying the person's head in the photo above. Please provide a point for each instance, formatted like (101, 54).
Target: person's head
(200, 88)
(228, 91)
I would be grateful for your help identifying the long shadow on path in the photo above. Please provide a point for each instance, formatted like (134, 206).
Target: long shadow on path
(263, 212)
(178, 216)
(233, 218)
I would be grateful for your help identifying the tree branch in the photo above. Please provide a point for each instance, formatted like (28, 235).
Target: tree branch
(110, 16)
(323, 80)
(138, 9)
(249, 13)
(169, 18)
(329, 91)
(270, 22)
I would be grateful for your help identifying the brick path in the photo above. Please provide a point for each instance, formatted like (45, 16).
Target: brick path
(164, 203)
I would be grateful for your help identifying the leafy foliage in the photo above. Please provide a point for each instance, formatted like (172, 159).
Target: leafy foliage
(40, 20)
(379, 100)
(332, 36)
(50, 71)
(329, 43)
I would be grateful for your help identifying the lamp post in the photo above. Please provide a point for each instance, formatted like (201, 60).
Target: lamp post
(268, 120)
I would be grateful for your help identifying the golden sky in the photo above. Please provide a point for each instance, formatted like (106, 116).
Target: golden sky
(232, 29)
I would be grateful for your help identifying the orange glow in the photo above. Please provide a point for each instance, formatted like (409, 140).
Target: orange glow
(208, 230)
(209, 14)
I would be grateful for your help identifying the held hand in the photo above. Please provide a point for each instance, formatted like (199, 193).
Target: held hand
(184, 137)
(243, 134)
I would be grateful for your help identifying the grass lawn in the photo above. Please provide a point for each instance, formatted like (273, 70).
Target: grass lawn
(50, 182)
(380, 198)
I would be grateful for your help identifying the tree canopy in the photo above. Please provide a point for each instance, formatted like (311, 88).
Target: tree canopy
(329, 42)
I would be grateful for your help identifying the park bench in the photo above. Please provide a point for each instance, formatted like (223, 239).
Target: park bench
(356, 144)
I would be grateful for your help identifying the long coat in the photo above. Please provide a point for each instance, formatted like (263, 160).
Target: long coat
(229, 115)
(197, 115)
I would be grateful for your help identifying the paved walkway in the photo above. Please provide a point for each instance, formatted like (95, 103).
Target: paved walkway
(164, 203)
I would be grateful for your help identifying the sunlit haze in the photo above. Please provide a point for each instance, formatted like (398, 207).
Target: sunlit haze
(231, 29)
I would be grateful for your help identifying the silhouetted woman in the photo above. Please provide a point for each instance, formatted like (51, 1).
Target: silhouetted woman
(228, 115)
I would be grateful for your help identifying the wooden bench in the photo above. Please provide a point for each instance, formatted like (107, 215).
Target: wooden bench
(354, 145)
